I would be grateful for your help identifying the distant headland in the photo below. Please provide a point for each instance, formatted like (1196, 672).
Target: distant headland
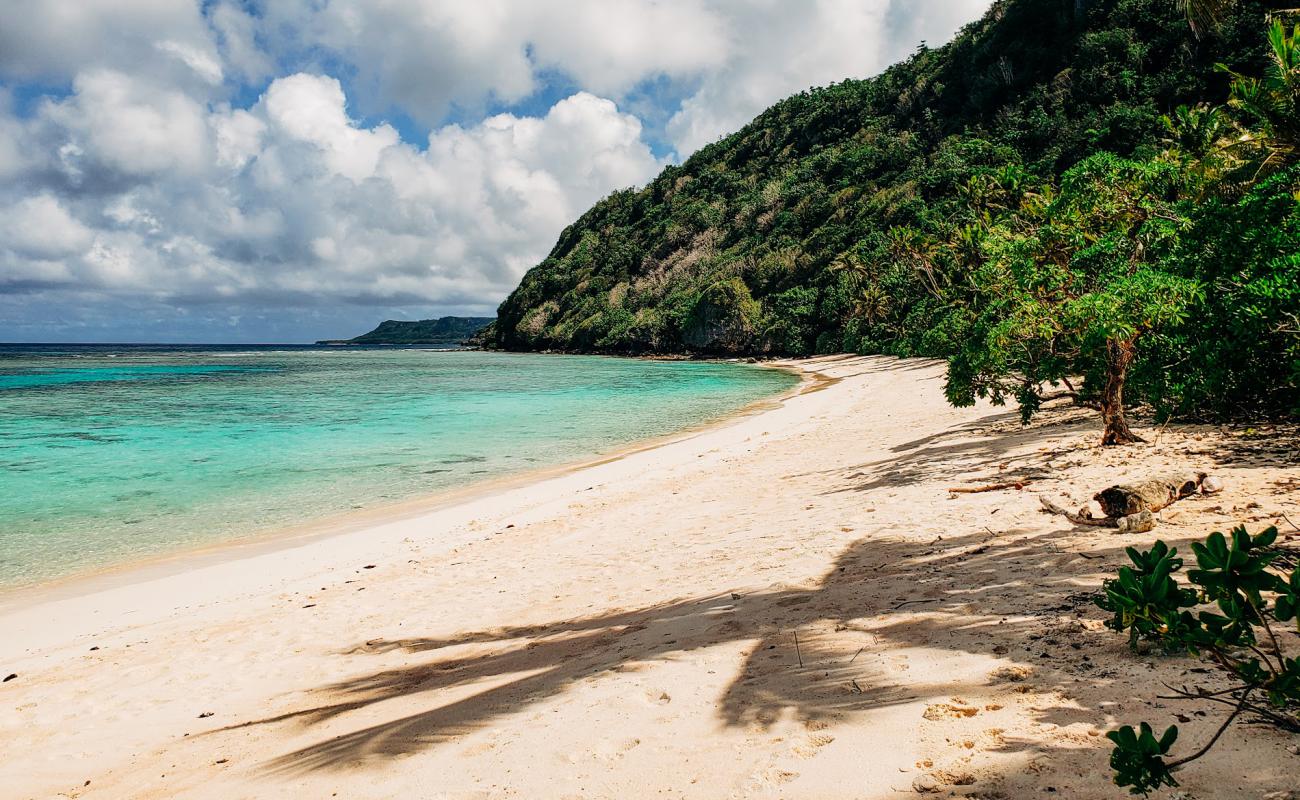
(441, 331)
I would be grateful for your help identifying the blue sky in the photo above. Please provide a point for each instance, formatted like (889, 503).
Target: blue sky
(241, 171)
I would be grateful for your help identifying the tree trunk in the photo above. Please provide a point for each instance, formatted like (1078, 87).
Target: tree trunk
(1119, 354)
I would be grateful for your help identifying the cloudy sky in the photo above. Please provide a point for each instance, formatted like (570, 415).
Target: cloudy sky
(285, 170)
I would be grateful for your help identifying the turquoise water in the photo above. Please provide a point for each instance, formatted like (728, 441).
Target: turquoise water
(109, 454)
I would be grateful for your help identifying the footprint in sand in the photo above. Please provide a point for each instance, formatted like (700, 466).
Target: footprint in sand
(657, 698)
(812, 744)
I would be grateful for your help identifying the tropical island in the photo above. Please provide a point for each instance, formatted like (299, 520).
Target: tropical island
(1027, 526)
(444, 331)
(1104, 192)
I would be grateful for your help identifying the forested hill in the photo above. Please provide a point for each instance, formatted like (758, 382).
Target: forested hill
(812, 229)
(441, 331)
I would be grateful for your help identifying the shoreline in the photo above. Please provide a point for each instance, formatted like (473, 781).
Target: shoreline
(174, 562)
(791, 605)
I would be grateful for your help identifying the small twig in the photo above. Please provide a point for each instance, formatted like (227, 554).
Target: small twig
(1089, 555)
(1281, 721)
(992, 487)
(1288, 520)
(855, 655)
(797, 651)
(1201, 693)
(1241, 705)
(909, 602)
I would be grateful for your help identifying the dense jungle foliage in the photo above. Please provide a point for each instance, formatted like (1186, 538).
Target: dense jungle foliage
(1090, 188)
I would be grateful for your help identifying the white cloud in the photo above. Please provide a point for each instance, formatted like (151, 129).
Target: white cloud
(201, 60)
(780, 48)
(53, 40)
(424, 55)
(311, 108)
(292, 201)
(129, 126)
(178, 164)
(237, 33)
(40, 228)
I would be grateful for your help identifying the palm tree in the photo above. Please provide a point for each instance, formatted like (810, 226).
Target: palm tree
(918, 251)
(1197, 131)
(1204, 15)
(872, 303)
(1272, 102)
(851, 266)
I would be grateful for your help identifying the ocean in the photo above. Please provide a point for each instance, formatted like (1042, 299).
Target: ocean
(110, 454)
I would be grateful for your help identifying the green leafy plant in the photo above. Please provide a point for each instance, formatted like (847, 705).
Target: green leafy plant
(1236, 574)
(1145, 599)
(1139, 758)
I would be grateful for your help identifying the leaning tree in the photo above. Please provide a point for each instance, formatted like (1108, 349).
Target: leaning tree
(1069, 287)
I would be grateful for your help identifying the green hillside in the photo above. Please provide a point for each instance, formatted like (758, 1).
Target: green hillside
(835, 220)
(441, 331)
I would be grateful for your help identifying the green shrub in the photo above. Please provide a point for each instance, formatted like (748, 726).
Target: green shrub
(1235, 574)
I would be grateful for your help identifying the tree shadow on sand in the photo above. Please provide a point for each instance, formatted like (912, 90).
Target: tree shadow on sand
(884, 593)
(928, 594)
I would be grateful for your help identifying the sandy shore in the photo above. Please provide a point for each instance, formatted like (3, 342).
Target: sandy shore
(788, 605)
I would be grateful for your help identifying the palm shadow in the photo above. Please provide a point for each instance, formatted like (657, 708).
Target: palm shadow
(884, 593)
(940, 595)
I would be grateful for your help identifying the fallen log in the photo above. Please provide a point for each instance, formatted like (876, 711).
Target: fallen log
(1151, 495)
(1129, 523)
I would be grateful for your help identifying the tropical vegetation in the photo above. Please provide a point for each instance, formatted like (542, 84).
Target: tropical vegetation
(1092, 198)
(1244, 580)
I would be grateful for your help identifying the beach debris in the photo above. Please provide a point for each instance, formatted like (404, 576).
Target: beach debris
(1131, 507)
(910, 602)
(1084, 517)
(369, 566)
(992, 487)
(9, 677)
(205, 714)
(1211, 485)
(1140, 522)
(1127, 499)
(924, 784)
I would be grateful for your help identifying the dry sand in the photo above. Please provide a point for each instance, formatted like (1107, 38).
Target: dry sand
(629, 630)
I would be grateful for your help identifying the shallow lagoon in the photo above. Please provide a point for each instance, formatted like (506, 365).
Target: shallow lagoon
(109, 454)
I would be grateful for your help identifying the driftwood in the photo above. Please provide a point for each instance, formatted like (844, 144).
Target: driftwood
(1078, 519)
(1130, 523)
(1131, 507)
(1149, 495)
(992, 487)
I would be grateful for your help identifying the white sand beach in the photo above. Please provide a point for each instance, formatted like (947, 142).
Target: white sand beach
(789, 604)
